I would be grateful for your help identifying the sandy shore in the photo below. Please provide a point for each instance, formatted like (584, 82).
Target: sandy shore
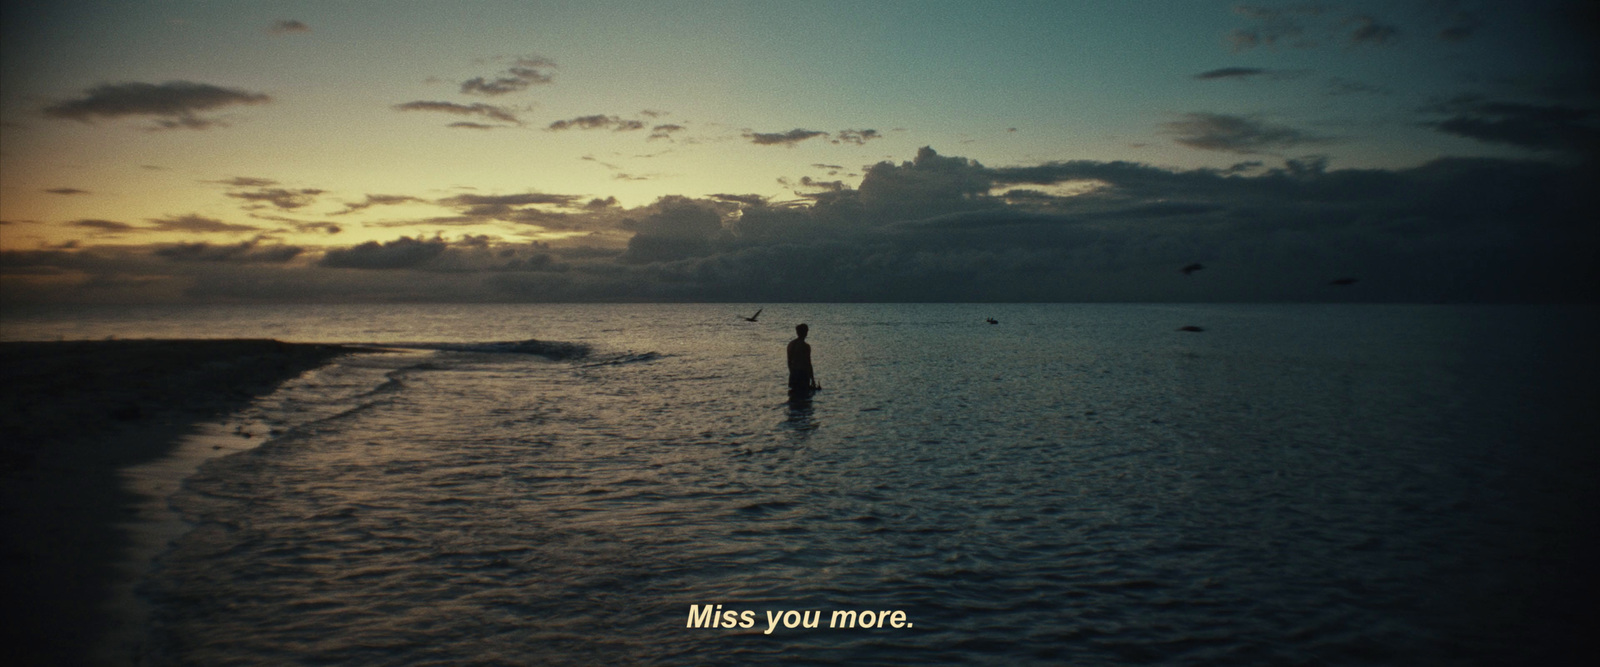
(73, 414)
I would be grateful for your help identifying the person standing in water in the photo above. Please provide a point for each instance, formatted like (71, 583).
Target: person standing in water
(801, 377)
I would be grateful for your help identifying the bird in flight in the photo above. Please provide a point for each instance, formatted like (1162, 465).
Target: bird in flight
(1343, 281)
(752, 318)
(1187, 270)
(993, 321)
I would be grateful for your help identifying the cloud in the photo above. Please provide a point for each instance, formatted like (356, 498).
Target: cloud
(66, 191)
(550, 211)
(597, 122)
(1235, 134)
(279, 197)
(246, 182)
(477, 109)
(748, 200)
(247, 251)
(1557, 128)
(104, 225)
(1369, 31)
(933, 229)
(1272, 26)
(377, 200)
(173, 104)
(524, 72)
(789, 138)
(466, 125)
(665, 131)
(401, 253)
(1340, 86)
(196, 223)
(1230, 73)
(857, 137)
(288, 26)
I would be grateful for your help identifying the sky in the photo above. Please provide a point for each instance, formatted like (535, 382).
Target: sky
(1412, 151)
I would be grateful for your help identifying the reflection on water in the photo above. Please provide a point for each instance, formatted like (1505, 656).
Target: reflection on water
(801, 421)
(1082, 485)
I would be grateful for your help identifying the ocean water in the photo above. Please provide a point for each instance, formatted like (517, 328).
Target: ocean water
(1078, 484)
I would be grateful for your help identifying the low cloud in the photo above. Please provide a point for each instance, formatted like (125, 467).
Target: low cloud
(1236, 134)
(110, 226)
(1272, 26)
(246, 182)
(1368, 31)
(377, 200)
(288, 26)
(789, 138)
(665, 131)
(401, 253)
(489, 111)
(598, 122)
(174, 104)
(948, 228)
(1230, 73)
(524, 72)
(1554, 128)
(245, 252)
(196, 223)
(279, 197)
(66, 191)
(857, 137)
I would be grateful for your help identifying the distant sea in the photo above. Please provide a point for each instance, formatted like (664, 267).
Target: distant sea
(1077, 484)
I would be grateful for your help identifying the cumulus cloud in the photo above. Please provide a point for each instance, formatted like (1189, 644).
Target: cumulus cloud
(402, 253)
(524, 72)
(932, 228)
(1230, 73)
(173, 104)
(247, 252)
(789, 138)
(279, 197)
(598, 122)
(1235, 134)
(489, 111)
(288, 26)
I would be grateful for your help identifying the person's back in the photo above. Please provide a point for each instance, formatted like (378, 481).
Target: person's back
(801, 376)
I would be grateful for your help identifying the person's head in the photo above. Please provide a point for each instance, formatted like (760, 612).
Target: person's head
(800, 330)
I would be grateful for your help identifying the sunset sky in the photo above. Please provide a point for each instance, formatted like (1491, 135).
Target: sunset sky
(837, 151)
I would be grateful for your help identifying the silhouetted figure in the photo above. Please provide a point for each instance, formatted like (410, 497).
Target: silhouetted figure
(752, 318)
(801, 376)
(992, 321)
(1187, 270)
(1191, 328)
(1343, 281)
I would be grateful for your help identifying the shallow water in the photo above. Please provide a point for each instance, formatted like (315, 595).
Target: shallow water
(1077, 484)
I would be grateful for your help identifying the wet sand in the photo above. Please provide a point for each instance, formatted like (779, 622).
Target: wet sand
(72, 415)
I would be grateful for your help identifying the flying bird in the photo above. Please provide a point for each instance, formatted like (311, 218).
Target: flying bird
(1343, 281)
(992, 321)
(1190, 328)
(1187, 270)
(752, 318)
